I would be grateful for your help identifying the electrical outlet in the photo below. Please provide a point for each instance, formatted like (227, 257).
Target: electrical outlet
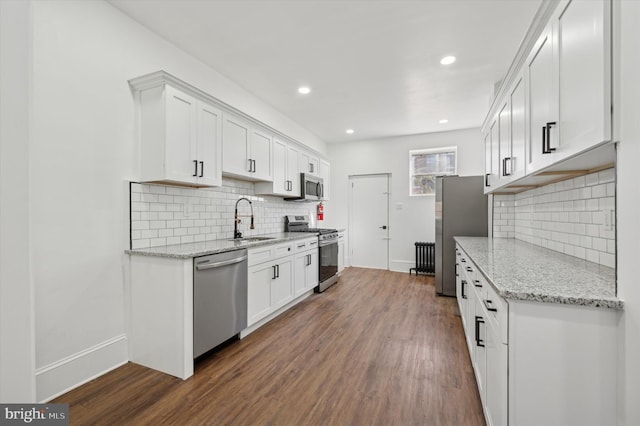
(609, 220)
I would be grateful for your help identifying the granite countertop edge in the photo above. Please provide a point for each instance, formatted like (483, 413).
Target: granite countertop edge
(204, 248)
(540, 295)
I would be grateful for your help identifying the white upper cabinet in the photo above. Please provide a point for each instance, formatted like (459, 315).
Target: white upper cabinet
(308, 163)
(261, 155)
(286, 178)
(325, 174)
(543, 122)
(570, 83)
(293, 171)
(584, 67)
(180, 137)
(556, 108)
(487, 161)
(235, 145)
(516, 160)
(246, 150)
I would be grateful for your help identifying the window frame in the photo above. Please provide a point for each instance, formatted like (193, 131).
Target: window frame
(427, 151)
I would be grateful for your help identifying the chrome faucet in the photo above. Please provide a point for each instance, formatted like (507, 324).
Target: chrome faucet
(236, 217)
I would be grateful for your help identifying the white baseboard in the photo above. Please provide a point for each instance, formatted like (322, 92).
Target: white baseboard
(401, 265)
(68, 373)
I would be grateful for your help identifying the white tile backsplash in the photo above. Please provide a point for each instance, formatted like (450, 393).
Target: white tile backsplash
(164, 215)
(575, 217)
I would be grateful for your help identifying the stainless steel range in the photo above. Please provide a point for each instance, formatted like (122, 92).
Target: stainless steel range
(327, 246)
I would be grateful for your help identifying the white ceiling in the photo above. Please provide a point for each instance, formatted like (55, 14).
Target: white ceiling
(372, 65)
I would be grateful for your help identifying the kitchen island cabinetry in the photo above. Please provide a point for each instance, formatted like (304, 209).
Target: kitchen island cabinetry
(179, 136)
(541, 322)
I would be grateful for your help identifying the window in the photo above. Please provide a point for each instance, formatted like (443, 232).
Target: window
(426, 164)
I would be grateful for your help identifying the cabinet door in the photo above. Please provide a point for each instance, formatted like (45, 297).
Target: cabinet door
(235, 146)
(487, 161)
(517, 103)
(259, 292)
(340, 254)
(543, 98)
(209, 147)
(496, 401)
(261, 155)
(300, 273)
(293, 171)
(282, 284)
(584, 67)
(280, 181)
(494, 178)
(314, 165)
(479, 350)
(504, 143)
(312, 271)
(180, 150)
(308, 163)
(325, 174)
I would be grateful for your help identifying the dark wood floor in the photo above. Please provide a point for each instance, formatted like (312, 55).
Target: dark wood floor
(378, 348)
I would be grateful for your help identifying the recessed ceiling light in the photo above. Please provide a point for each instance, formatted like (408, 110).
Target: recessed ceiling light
(304, 90)
(443, 121)
(350, 131)
(448, 60)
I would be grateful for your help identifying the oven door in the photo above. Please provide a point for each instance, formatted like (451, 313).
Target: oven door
(328, 264)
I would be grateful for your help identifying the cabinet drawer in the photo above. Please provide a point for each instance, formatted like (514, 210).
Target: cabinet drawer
(266, 253)
(497, 311)
(304, 245)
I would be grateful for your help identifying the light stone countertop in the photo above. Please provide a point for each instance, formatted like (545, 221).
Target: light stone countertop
(523, 271)
(203, 248)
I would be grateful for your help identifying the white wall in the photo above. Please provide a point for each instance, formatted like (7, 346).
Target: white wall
(627, 220)
(81, 151)
(17, 364)
(415, 221)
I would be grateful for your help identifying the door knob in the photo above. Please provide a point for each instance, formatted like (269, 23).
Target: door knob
(383, 227)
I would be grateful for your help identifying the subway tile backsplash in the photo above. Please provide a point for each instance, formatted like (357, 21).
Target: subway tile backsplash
(164, 215)
(575, 217)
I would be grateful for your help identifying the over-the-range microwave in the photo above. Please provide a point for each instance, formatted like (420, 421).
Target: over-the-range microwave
(311, 188)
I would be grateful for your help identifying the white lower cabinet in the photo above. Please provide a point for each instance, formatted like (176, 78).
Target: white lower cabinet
(306, 266)
(537, 363)
(270, 280)
(495, 402)
(341, 252)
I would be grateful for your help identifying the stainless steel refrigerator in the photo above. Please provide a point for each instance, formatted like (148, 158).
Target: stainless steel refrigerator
(461, 210)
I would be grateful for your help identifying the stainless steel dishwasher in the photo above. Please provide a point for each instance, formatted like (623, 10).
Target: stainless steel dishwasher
(219, 299)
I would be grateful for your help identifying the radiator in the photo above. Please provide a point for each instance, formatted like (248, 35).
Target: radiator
(425, 258)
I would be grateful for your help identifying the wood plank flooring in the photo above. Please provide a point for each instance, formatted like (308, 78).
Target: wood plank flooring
(378, 348)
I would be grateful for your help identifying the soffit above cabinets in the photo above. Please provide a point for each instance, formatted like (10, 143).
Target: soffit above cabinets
(372, 66)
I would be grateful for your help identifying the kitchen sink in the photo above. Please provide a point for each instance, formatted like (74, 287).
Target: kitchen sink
(251, 239)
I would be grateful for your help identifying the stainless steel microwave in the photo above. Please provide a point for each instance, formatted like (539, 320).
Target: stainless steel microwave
(312, 188)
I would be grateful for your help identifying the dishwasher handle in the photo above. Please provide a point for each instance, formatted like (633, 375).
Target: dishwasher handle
(204, 265)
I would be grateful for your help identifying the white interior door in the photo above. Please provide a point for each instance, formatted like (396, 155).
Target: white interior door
(369, 221)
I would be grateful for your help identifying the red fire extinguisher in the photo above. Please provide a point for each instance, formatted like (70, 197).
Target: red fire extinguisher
(320, 212)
